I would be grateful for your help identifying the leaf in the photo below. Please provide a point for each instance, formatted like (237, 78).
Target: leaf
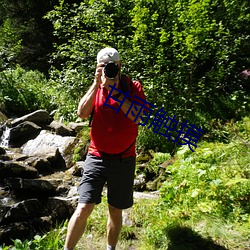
(195, 193)
(201, 172)
(235, 181)
(204, 207)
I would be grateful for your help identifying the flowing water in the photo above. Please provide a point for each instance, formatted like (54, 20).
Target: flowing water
(4, 140)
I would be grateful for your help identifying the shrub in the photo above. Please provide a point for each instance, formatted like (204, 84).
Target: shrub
(24, 91)
(213, 180)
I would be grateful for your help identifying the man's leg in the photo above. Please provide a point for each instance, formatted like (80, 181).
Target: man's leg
(114, 225)
(77, 224)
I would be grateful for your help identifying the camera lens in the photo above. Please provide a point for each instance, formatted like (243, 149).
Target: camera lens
(111, 69)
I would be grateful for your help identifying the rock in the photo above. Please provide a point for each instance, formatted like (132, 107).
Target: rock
(6, 201)
(61, 129)
(3, 210)
(23, 132)
(44, 223)
(2, 151)
(17, 230)
(76, 170)
(73, 192)
(49, 153)
(140, 182)
(23, 211)
(78, 126)
(35, 174)
(35, 187)
(16, 169)
(60, 208)
(39, 117)
(4, 158)
(55, 159)
(125, 219)
(150, 195)
(42, 165)
(47, 141)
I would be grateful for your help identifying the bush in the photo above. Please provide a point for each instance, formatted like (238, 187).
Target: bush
(24, 91)
(212, 180)
(188, 55)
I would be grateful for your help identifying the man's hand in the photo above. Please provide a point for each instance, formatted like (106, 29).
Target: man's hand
(98, 74)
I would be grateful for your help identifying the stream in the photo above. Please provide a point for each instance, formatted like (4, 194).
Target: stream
(4, 139)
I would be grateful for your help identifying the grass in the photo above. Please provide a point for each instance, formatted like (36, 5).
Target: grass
(151, 227)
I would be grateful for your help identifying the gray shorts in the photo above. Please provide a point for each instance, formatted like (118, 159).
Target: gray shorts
(117, 173)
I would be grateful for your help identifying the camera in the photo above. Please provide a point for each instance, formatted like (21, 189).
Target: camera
(111, 69)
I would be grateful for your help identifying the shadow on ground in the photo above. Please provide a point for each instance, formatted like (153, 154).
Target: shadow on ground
(184, 238)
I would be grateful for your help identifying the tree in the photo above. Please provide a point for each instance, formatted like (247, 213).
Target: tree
(26, 37)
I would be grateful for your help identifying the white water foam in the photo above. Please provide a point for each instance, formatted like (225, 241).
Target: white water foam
(4, 140)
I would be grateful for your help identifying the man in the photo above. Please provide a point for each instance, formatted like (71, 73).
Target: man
(111, 154)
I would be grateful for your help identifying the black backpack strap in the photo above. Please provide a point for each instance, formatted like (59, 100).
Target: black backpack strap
(91, 116)
(124, 84)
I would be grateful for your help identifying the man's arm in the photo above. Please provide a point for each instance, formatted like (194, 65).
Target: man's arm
(86, 104)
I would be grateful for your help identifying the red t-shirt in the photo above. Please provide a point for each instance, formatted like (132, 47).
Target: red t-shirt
(112, 132)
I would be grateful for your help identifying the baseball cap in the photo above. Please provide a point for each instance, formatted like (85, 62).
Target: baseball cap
(108, 54)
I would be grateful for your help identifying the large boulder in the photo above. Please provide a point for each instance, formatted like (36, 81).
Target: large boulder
(78, 126)
(23, 211)
(39, 117)
(48, 142)
(41, 164)
(2, 151)
(35, 187)
(61, 208)
(61, 129)
(16, 169)
(22, 133)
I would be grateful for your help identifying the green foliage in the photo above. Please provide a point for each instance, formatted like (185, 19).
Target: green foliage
(10, 44)
(24, 91)
(82, 146)
(26, 38)
(188, 56)
(213, 180)
(155, 170)
(225, 132)
(159, 158)
(82, 31)
(147, 140)
(206, 197)
(52, 240)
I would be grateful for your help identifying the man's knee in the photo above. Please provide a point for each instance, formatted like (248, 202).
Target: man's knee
(113, 211)
(83, 210)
